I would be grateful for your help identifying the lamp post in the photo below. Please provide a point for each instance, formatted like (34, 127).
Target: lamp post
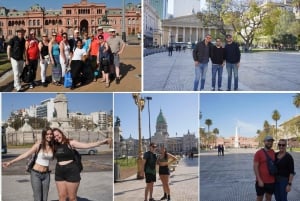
(140, 102)
(148, 99)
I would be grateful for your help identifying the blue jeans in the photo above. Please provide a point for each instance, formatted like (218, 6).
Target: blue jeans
(280, 192)
(216, 68)
(40, 185)
(232, 68)
(200, 72)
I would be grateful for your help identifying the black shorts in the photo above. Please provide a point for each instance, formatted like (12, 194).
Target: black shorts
(164, 170)
(150, 178)
(268, 188)
(69, 172)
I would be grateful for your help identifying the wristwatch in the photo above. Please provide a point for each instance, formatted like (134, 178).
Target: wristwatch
(289, 183)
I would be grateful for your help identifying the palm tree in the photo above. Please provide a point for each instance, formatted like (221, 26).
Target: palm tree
(296, 101)
(208, 122)
(216, 132)
(266, 127)
(276, 117)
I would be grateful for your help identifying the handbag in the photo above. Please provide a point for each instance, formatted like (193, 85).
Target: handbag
(27, 74)
(77, 159)
(31, 160)
(68, 80)
(271, 164)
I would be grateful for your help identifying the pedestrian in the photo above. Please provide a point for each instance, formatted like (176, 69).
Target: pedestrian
(44, 57)
(285, 166)
(65, 54)
(67, 173)
(201, 58)
(170, 49)
(232, 57)
(222, 150)
(32, 55)
(265, 182)
(78, 58)
(104, 60)
(40, 173)
(217, 57)
(54, 58)
(219, 150)
(94, 50)
(163, 161)
(15, 54)
(117, 46)
(150, 170)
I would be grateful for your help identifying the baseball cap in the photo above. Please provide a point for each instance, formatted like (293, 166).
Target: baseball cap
(111, 30)
(21, 30)
(152, 144)
(268, 137)
(99, 28)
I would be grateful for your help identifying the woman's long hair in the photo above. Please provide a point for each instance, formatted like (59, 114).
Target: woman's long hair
(63, 141)
(44, 141)
(166, 153)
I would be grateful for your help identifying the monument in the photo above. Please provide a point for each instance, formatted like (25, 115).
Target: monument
(236, 138)
(60, 116)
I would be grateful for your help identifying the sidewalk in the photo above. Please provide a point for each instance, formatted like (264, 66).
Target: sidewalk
(257, 72)
(183, 184)
(94, 186)
(233, 177)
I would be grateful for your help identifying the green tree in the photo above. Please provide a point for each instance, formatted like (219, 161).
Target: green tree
(267, 127)
(216, 132)
(208, 122)
(296, 100)
(276, 116)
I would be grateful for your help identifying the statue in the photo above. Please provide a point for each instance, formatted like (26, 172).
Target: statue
(118, 122)
(104, 18)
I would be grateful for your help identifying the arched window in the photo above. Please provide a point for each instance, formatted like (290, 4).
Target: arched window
(46, 22)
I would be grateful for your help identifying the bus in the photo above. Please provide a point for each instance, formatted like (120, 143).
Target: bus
(3, 141)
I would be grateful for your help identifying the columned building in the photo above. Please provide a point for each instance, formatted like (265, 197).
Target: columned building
(84, 16)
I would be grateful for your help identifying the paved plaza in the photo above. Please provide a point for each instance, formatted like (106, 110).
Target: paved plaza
(183, 184)
(265, 71)
(232, 176)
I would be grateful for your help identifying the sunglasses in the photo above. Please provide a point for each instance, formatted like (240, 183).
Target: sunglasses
(281, 145)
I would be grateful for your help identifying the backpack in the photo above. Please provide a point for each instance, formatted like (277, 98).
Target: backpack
(271, 164)
(27, 75)
(31, 160)
(77, 159)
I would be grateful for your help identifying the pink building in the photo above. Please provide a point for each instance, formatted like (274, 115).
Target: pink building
(84, 16)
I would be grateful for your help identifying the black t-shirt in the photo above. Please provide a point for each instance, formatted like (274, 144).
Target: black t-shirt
(64, 152)
(150, 162)
(285, 165)
(17, 48)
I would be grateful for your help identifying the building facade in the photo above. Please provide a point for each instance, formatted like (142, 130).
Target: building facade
(84, 16)
(151, 23)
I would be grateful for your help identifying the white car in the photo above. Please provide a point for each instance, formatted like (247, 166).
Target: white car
(91, 151)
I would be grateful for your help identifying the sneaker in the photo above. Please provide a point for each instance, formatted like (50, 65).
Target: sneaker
(31, 86)
(118, 80)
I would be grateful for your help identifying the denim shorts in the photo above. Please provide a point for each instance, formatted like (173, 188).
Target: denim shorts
(69, 172)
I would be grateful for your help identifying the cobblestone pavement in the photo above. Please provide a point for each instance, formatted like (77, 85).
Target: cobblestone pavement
(232, 177)
(266, 71)
(183, 184)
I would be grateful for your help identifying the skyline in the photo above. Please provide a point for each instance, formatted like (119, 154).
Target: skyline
(172, 105)
(54, 5)
(248, 111)
(82, 102)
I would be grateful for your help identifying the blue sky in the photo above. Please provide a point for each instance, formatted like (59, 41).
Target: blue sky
(55, 4)
(180, 110)
(248, 111)
(78, 102)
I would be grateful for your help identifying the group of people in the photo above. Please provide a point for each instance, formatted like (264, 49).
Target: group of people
(219, 56)
(220, 150)
(87, 58)
(55, 144)
(266, 182)
(150, 162)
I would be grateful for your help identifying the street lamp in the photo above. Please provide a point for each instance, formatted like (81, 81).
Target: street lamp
(148, 99)
(140, 102)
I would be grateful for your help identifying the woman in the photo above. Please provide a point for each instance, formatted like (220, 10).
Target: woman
(54, 57)
(44, 57)
(88, 73)
(93, 56)
(104, 60)
(164, 173)
(285, 165)
(64, 56)
(78, 57)
(40, 174)
(67, 173)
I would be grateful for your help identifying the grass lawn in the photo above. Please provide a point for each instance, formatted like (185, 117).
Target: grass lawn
(19, 146)
(124, 163)
(4, 63)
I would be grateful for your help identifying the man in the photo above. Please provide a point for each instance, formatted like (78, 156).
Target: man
(201, 59)
(218, 61)
(232, 56)
(72, 41)
(32, 55)
(15, 53)
(117, 46)
(265, 183)
(150, 170)
(101, 32)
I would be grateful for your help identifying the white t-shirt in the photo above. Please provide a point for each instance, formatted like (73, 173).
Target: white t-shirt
(78, 53)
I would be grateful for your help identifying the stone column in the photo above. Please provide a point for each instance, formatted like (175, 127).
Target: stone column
(197, 34)
(184, 34)
(176, 36)
(190, 34)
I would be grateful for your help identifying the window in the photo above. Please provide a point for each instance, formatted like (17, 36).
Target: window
(99, 11)
(38, 22)
(30, 23)
(68, 12)
(75, 22)
(33, 22)
(68, 22)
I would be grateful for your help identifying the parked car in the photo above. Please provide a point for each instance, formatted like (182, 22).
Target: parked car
(91, 151)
